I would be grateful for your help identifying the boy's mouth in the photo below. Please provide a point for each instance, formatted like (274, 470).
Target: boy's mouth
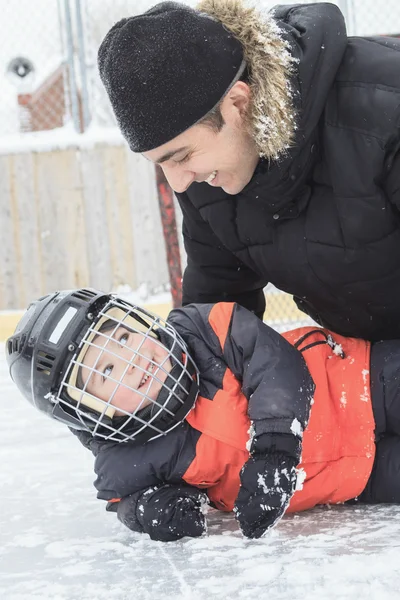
(146, 376)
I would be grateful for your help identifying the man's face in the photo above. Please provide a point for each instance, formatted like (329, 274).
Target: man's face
(226, 159)
(130, 359)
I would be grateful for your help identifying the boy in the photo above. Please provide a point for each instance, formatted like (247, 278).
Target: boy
(211, 406)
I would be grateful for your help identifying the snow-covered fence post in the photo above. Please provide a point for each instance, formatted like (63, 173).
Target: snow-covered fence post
(167, 210)
(71, 68)
(82, 66)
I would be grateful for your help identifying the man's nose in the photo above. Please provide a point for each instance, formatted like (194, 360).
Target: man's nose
(178, 178)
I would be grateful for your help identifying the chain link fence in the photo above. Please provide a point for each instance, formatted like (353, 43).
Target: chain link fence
(48, 54)
(50, 83)
(34, 78)
(371, 17)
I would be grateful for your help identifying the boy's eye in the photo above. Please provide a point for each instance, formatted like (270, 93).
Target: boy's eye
(107, 371)
(123, 339)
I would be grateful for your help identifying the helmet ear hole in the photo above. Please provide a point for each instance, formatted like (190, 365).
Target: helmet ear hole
(45, 362)
(15, 344)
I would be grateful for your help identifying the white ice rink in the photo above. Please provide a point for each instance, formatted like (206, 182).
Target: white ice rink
(58, 543)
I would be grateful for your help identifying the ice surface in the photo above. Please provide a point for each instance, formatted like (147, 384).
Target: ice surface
(58, 543)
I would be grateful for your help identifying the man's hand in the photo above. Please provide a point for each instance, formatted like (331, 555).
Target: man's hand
(268, 482)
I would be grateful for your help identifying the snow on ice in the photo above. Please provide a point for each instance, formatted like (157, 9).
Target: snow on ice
(58, 543)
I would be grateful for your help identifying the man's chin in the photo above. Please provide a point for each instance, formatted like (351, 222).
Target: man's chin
(235, 187)
(232, 190)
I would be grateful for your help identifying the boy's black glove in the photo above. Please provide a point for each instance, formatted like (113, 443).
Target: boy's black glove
(268, 481)
(167, 513)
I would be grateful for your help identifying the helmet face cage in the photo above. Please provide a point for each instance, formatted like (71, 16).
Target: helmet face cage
(176, 376)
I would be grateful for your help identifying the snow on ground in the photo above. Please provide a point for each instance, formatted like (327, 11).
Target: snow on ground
(58, 543)
(143, 296)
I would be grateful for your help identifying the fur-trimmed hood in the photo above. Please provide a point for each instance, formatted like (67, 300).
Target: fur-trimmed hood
(270, 65)
(276, 56)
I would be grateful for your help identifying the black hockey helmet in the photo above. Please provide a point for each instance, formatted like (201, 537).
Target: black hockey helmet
(46, 353)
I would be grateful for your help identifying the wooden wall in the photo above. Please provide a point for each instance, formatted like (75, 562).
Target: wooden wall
(78, 217)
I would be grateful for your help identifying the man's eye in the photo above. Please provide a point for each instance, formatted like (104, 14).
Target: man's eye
(183, 160)
(123, 339)
(107, 371)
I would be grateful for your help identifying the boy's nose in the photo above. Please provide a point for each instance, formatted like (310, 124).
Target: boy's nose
(131, 365)
(129, 357)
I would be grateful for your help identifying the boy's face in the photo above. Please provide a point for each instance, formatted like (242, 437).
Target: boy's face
(133, 361)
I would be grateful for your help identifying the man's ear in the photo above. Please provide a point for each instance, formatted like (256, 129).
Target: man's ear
(236, 102)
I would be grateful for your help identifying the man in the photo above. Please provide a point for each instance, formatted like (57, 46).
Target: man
(280, 137)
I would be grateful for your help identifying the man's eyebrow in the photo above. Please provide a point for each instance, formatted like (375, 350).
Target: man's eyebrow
(170, 154)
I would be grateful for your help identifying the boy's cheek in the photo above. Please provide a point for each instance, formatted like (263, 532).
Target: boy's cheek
(126, 399)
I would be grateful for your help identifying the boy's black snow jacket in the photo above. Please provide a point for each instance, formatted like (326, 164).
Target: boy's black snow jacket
(322, 224)
(240, 360)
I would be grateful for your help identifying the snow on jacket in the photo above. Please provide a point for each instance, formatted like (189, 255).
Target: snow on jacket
(339, 441)
(323, 222)
(248, 371)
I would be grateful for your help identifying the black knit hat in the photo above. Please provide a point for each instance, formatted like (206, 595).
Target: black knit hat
(165, 70)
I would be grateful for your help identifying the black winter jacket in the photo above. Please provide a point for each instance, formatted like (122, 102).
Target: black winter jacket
(150, 477)
(322, 224)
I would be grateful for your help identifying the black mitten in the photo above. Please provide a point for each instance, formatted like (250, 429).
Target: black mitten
(166, 513)
(267, 485)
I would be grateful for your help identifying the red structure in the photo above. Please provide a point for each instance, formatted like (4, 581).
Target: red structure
(45, 108)
(167, 210)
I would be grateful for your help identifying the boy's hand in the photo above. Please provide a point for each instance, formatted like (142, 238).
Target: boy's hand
(267, 485)
(166, 513)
